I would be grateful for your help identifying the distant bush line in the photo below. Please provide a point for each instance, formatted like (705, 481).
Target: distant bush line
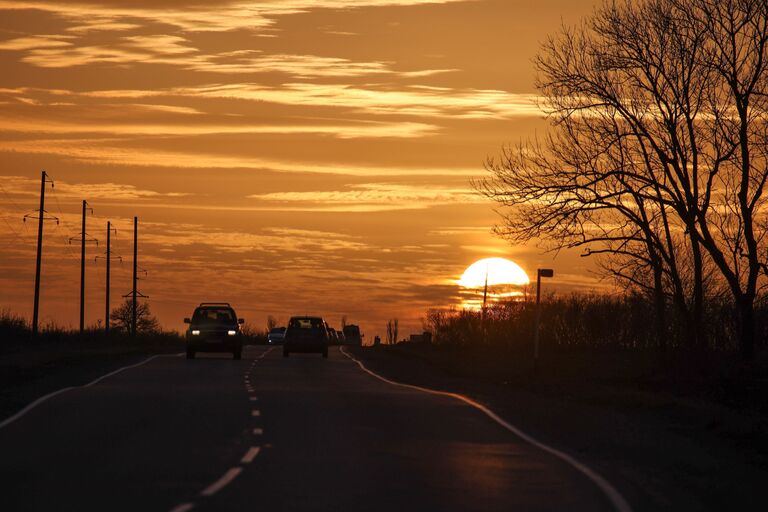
(588, 322)
(15, 331)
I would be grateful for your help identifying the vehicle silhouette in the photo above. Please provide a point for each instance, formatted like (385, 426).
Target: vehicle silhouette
(352, 335)
(276, 335)
(306, 334)
(214, 327)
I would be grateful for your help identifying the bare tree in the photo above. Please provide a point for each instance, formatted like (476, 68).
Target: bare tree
(271, 322)
(392, 330)
(657, 157)
(121, 318)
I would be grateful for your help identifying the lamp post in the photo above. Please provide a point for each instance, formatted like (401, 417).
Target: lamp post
(541, 272)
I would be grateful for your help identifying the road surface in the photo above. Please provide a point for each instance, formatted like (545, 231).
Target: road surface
(268, 433)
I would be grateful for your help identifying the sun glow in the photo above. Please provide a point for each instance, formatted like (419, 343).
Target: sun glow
(500, 271)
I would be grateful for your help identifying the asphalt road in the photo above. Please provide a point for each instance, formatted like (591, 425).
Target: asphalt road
(268, 433)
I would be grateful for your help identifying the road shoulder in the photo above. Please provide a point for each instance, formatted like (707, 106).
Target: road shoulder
(660, 451)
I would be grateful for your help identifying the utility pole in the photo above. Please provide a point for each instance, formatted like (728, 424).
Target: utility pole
(541, 272)
(108, 257)
(135, 293)
(83, 239)
(485, 299)
(41, 217)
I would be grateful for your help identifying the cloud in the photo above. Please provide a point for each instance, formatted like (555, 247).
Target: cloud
(100, 152)
(375, 197)
(35, 42)
(350, 130)
(80, 56)
(403, 100)
(171, 109)
(22, 186)
(293, 65)
(160, 44)
(284, 241)
(63, 52)
(189, 16)
(419, 101)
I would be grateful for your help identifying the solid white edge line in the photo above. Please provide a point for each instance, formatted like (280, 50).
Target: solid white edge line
(34, 404)
(184, 507)
(616, 499)
(110, 374)
(47, 397)
(222, 482)
(251, 454)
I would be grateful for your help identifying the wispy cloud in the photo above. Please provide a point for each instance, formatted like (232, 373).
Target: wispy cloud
(372, 99)
(36, 42)
(218, 17)
(293, 65)
(101, 151)
(374, 197)
(270, 240)
(343, 131)
(369, 100)
(22, 186)
(160, 44)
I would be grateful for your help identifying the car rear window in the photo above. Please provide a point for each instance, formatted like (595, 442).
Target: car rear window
(214, 315)
(306, 323)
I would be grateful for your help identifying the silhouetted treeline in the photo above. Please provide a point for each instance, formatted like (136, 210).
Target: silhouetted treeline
(588, 322)
(656, 163)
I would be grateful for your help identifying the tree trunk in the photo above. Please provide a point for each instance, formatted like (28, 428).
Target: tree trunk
(698, 338)
(746, 317)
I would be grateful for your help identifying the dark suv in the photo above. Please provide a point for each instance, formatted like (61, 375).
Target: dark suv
(214, 327)
(306, 334)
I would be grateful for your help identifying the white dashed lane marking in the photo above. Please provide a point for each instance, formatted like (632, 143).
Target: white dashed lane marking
(184, 507)
(222, 482)
(251, 454)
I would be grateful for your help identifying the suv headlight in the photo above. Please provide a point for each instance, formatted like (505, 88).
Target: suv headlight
(231, 333)
(195, 333)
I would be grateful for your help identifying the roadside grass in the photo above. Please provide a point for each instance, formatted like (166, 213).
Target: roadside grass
(34, 366)
(605, 375)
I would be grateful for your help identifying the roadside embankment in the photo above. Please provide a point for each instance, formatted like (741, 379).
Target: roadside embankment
(32, 368)
(665, 438)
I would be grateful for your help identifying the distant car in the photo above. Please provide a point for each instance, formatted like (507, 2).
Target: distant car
(214, 327)
(340, 337)
(306, 334)
(276, 335)
(352, 335)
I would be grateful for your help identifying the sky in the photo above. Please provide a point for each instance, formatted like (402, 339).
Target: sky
(286, 156)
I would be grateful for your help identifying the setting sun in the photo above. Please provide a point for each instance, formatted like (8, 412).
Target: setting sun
(499, 271)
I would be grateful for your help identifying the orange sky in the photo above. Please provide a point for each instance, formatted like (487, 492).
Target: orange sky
(288, 156)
